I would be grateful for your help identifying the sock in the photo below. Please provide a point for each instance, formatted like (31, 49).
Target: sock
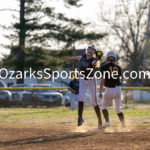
(106, 115)
(121, 117)
(80, 109)
(98, 113)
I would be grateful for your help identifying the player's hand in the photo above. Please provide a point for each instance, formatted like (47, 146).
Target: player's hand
(94, 62)
(73, 91)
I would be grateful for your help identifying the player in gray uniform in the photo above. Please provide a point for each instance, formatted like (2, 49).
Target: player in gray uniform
(112, 88)
(87, 81)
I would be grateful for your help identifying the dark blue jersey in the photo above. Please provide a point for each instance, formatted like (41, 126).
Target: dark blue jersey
(74, 85)
(86, 64)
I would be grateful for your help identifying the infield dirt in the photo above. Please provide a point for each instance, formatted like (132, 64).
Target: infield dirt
(69, 137)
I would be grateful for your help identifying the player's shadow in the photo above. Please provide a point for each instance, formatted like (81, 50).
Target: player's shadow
(42, 139)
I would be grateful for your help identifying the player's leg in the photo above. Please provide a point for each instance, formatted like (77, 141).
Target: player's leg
(77, 100)
(72, 101)
(117, 103)
(68, 104)
(82, 91)
(93, 91)
(98, 113)
(121, 118)
(107, 99)
(106, 115)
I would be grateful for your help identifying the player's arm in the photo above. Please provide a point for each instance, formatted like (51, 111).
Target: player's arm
(101, 86)
(94, 62)
(70, 88)
(73, 58)
(70, 85)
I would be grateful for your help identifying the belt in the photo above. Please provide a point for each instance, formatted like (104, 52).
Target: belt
(110, 86)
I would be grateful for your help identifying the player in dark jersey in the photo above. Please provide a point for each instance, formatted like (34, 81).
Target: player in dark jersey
(111, 74)
(87, 81)
(87, 66)
(74, 88)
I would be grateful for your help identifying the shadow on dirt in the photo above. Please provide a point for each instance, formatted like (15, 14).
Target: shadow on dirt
(43, 139)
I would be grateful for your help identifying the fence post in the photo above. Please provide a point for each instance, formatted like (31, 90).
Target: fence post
(126, 99)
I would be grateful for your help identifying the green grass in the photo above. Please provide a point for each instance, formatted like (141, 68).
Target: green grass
(62, 115)
(41, 112)
(64, 112)
(132, 112)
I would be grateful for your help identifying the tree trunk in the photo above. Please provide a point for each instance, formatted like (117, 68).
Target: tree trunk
(21, 54)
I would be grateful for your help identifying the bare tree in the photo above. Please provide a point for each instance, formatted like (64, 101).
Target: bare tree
(128, 26)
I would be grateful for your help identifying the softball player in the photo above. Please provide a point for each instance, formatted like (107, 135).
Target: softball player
(87, 81)
(74, 88)
(111, 80)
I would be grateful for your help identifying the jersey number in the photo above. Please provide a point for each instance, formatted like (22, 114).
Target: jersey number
(113, 69)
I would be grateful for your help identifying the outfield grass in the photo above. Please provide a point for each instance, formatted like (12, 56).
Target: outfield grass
(62, 115)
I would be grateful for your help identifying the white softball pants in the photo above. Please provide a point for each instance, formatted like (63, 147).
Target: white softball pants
(112, 94)
(92, 86)
(73, 99)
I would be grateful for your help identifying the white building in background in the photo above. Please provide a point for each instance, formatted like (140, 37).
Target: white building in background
(140, 95)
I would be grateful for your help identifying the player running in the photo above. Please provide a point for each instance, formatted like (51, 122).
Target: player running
(111, 74)
(87, 81)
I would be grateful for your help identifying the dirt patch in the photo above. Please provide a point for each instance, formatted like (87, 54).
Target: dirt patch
(69, 137)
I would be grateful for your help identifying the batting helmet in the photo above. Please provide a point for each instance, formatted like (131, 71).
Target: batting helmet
(111, 55)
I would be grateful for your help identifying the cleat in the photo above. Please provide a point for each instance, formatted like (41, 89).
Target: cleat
(106, 124)
(80, 121)
(99, 124)
(125, 129)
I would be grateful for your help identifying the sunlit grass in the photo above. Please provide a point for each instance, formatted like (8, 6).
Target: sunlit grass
(63, 115)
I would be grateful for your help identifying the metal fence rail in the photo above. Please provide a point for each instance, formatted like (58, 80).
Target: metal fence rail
(65, 88)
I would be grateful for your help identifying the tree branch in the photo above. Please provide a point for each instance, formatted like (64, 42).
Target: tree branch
(6, 9)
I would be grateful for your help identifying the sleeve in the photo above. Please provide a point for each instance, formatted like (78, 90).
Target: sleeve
(82, 57)
(92, 60)
(70, 84)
